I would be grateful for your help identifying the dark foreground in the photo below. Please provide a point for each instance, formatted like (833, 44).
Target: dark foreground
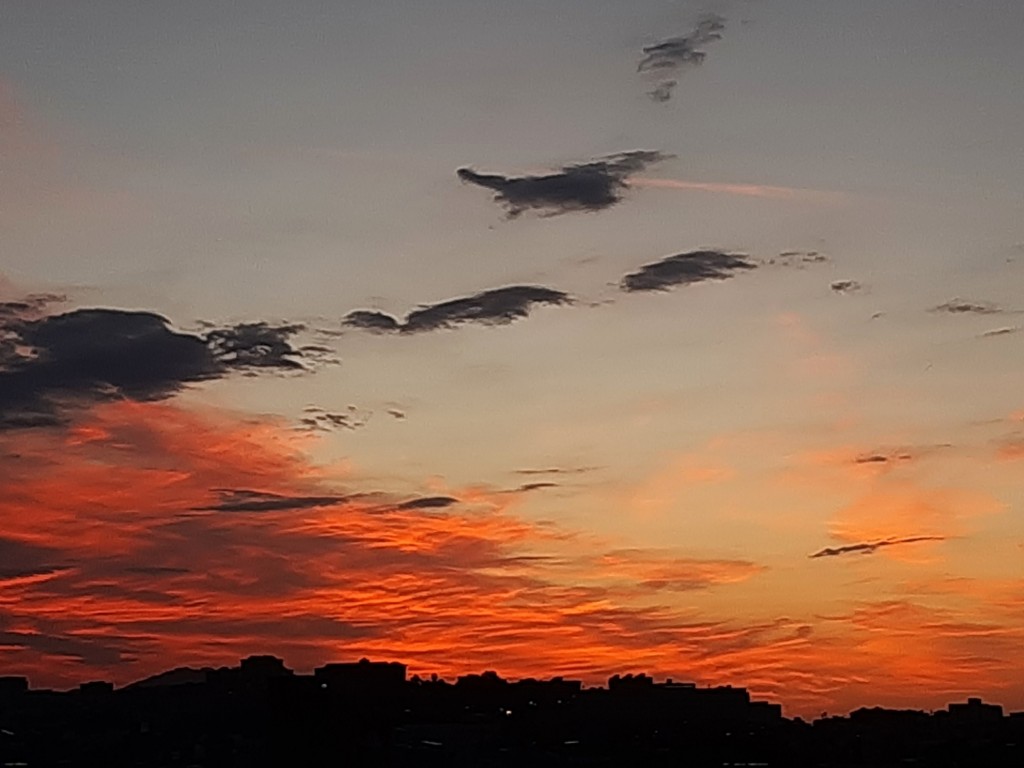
(260, 714)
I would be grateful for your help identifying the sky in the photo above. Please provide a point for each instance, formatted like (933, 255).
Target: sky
(552, 337)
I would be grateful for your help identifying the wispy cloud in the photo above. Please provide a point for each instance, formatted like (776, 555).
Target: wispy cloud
(428, 502)
(963, 307)
(846, 286)
(538, 486)
(686, 269)
(317, 419)
(666, 58)
(592, 186)
(869, 548)
(556, 471)
(244, 500)
(1005, 331)
(497, 306)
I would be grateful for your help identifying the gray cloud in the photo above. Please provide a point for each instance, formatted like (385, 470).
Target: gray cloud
(882, 458)
(662, 92)
(428, 502)
(33, 305)
(557, 471)
(846, 286)
(1005, 331)
(319, 420)
(494, 307)
(86, 650)
(157, 570)
(797, 259)
(676, 53)
(961, 307)
(684, 269)
(19, 559)
(591, 186)
(900, 454)
(525, 487)
(370, 320)
(253, 346)
(244, 500)
(869, 548)
(51, 363)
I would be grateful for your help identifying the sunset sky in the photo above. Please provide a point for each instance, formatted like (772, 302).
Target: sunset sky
(570, 337)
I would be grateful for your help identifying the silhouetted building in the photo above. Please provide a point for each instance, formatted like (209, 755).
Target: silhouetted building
(12, 686)
(362, 677)
(96, 688)
(974, 711)
(263, 668)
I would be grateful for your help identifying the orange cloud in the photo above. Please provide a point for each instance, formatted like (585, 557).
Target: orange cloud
(148, 533)
(147, 536)
(899, 509)
(1012, 450)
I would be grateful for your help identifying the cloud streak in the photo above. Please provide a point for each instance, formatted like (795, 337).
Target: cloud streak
(674, 54)
(244, 500)
(869, 548)
(593, 186)
(685, 269)
(319, 420)
(498, 306)
(962, 307)
(846, 286)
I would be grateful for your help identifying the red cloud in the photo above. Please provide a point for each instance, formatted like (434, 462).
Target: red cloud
(148, 536)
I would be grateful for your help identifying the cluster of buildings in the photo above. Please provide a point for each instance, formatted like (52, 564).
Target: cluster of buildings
(371, 713)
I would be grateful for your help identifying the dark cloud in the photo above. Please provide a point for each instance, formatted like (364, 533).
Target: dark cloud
(319, 420)
(14, 573)
(557, 471)
(369, 320)
(684, 269)
(797, 259)
(85, 650)
(495, 307)
(499, 306)
(874, 458)
(1006, 331)
(846, 286)
(869, 548)
(961, 307)
(54, 362)
(882, 458)
(591, 186)
(662, 92)
(243, 500)
(536, 486)
(21, 554)
(33, 305)
(900, 454)
(19, 559)
(256, 346)
(428, 502)
(676, 53)
(318, 354)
